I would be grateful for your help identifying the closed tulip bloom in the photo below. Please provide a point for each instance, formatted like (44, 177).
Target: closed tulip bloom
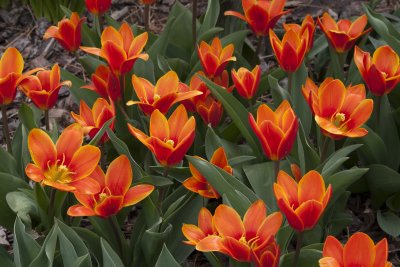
(98, 6)
(120, 48)
(276, 130)
(246, 82)
(359, 250)
(260, 15)
(11, 67)
(43, 88)
(66, 165)
(67, 33)
(307, 27)
(302, 203)
(115, 191)
(381, 73)
(170, 139)
(214, 57)
(249, 240)
(198, 184)
(162, 96)
(105, 83)
(290, 52)
(92, 120)
(338, 110)
(343, 34)
(210, 110)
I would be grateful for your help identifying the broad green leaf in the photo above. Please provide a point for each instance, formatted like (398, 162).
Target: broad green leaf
(47, 251)
(5, 258)
(166, 259)
(153, 240)
(393, 202)
(340, 181)
(8, 163)
(110, 257)
(92, 240)
(27, 117)
(96, 139)
(211, 16)
(331, 162)
(25, 248)
(79, 93)
(308, 258)
(389, 222)
(22, 205)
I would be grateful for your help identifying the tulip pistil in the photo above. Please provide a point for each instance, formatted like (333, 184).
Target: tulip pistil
(170, 142)
(339, 119)
(58, 173)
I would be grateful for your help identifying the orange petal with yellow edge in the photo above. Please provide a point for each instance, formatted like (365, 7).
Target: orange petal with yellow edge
(86, 185)
(359, 251)
(235, 249)
(333, 248)
(210, 243)
(309, 212)
(228, 222)
(193, 233)
(311, 186)
(69, 142)
(84, 161)
(254, 218)
(159, 127)
(41, 148)
(34, 173)
(79, 210)
(137, 193)
(119, 176)
(11, 62)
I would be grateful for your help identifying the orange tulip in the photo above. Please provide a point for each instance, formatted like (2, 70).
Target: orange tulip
(170, 139)
(67, 33)
(360, 250)
(43, 88)
(98, 6)
(120, 48)
(276, 130)
(210, 110)
(214, 58)
(11, 67)
(290, 52)
(105, 83)
(302, 203)
(339, 111)
(261, 15)
(343, 34)
(67, 165)
(250, 240)
(383, 73)
(198, 184)
(246, 82)
(115, 191)
(92, 120)
(307, 27)
(162, 96)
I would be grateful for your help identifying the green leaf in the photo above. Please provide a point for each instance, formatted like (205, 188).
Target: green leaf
(92, 240)
(166, 259)
(46, 254)
(27, 117)
(25, 248)
(382, 182)
(8, 163)
(79, 93)
(389, 222)
(153, 240)
(308, 258)
(211, 16)
(237, 112)
(5, 258)
(335, 160)
(393, 202)
(342, 180)
(110, 257)
(96, 139)
(374, 150)
(22, 205)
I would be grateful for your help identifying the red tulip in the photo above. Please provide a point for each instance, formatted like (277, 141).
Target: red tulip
(198, 184)
(381, 73)
(246, 82)
(210, 110)
(43, 88)
(66, 165)
(302, 203)
(307, 28)
(276, 130)
(115, 191)
(105, 83)
(261, 15)
(67, 33)
(343, 34)
(11, 67)
(98, 6)
(170, 139)
(360, 250)
(339, 111)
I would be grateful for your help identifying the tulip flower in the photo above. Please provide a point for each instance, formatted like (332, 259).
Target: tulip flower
(115, 191)
(162, 96)
(249, 240)
(214, 57)
(381, 73)
(339, 111)
(246, 82)
(147, 2)
(260, 15)
(290, 52)
(302, 203)
(307, 27)
(170, 139)
(359, 250)
(66, 165)
(120, 48)
(197, 182)
(43, 88)
(343, 34)
(98, 7)
(210, 110)
(105, 83)
(92, 120)
(11, 67)
(276, 130)
(67, 33)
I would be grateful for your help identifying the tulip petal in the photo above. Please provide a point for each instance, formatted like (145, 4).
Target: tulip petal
(84, 161)
(79, 210)
(381, 256)
(34, 173)
(167, 84)
(289, 186)
(293, 219)
(159, 127)
(235, 14)
(333, 248)
(192, 233)
(270, 226)
(138, 44)
(205, 221)
(119, 176)
(109, 206)
(137, 193)
(11, 62)
(41, 148)
(210, 243)
(254, 218)
(358, 26)
(329, 262)
(86, 186)
(235, 249)
(69, 142)
(309, 212)
(386, 60)
(311, 187)
(360, 115)
(359, 251)
(331, 98)
(228, 222)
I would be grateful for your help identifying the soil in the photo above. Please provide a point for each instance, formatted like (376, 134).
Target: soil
(19, 28)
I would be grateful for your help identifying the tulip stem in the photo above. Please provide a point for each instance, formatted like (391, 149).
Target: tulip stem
(290, 83)
(117, 233)
(146, 17)
(325, 146)
(52, 201)
(6, 130)
(298, 248)
(258, 51)
(47, 120)
(277, 164)
(194, 22)
(378, 113)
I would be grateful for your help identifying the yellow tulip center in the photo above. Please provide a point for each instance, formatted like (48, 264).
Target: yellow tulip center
(339, 119)
(59, 174)
(156, 97)
(102, 196)
(170, 142)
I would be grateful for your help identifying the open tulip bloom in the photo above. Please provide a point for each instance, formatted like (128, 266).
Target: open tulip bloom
(115, 191)
(105, 83)
(249, 240)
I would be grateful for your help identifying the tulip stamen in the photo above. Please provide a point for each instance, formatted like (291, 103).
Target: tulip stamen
(156, 97)
(339, 119)
(170, 142)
